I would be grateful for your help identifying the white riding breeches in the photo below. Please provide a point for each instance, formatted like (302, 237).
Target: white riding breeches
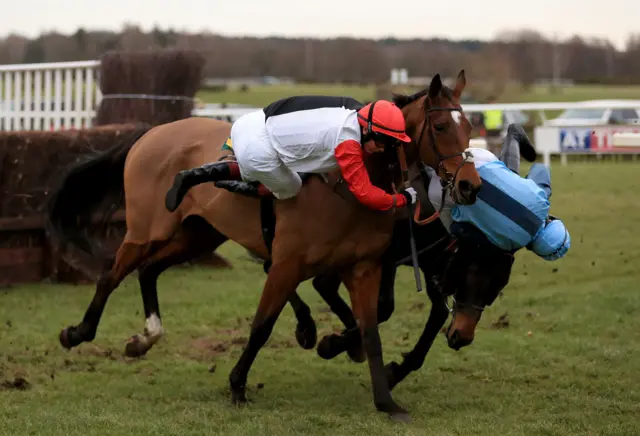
(258, 160)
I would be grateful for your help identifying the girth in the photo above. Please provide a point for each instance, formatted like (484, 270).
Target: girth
(268, 225)
(267, 205)
(267, 215)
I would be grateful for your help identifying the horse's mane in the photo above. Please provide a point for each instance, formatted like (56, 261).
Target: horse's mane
(401, 100)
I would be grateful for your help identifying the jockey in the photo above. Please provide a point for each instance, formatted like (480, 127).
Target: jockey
(305, 134)
(512, 212)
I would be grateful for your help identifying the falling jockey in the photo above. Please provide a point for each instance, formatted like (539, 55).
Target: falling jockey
(306, 134)
(512, 212)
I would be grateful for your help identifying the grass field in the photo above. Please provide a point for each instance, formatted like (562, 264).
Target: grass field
(263, 95)
(567, 363)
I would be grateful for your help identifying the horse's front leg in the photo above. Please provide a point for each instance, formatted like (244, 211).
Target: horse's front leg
(350, 341)
(413, 360)
(281, 283)
(363, 283)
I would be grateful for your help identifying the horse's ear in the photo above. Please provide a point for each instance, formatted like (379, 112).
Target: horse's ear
(435, 86)
(460, 84)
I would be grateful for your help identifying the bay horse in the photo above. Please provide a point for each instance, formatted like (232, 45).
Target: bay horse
(316, 232)
(486, 271)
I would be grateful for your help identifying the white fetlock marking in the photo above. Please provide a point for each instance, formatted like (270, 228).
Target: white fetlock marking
(153, 329)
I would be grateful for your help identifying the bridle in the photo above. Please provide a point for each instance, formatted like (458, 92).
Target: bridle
(449, 180)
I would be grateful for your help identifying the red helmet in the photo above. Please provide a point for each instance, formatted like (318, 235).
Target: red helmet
(384, 117)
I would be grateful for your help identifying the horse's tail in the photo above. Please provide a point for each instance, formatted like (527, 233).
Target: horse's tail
(96, 184)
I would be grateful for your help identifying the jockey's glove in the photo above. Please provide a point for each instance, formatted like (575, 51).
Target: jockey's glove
(410, 194)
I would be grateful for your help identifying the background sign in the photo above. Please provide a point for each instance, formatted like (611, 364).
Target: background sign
(583, 139)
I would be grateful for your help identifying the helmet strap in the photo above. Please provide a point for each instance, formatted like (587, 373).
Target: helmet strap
(369, 135)
(370, 118)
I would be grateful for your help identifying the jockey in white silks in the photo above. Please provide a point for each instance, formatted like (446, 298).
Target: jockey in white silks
(304, 134)
(511, 212)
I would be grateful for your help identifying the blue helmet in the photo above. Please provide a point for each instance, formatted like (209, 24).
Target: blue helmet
(553, 241)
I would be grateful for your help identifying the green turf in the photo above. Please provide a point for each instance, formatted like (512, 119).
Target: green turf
(576, 373)
(262, 95)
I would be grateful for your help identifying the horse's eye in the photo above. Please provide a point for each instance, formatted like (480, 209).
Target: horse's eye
(441, 127)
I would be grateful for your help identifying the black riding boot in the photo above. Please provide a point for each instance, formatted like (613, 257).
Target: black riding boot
(187, 179)
(251, 189)
(517, 143)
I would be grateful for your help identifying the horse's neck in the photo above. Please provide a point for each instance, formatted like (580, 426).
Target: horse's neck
(381, 174)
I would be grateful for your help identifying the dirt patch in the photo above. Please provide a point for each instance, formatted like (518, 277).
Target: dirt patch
(18, 383)
(207, 348)
(285, 343)
(452, 370)
(96, 351)
(212, 346)
(502, 322)
(13, 377)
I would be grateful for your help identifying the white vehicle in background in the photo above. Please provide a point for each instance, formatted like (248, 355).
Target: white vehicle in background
(599, 115)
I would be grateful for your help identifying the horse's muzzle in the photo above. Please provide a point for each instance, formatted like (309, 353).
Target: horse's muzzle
(466, 192)
(456, 341)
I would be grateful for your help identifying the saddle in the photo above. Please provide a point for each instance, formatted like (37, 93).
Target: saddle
(336, 183)
(267, 205)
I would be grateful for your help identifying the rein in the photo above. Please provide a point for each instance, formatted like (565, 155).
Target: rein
(425, 249)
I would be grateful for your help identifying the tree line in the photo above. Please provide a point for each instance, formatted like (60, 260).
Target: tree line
(523, 56)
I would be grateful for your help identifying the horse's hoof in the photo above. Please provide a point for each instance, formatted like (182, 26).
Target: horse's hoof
(400, 417)
(306, 335)
(70, 338)
(239, 397)
(327, 347)
(135, 348)
(64, 339)
(357, 354)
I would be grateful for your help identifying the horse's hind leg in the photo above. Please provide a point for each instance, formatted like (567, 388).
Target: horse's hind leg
(306, 332)
(129, 255)
(332, 345)
(195, 238)
(328, 286)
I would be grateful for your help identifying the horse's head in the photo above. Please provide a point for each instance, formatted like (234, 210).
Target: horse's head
(475, 277)
(441, 133)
